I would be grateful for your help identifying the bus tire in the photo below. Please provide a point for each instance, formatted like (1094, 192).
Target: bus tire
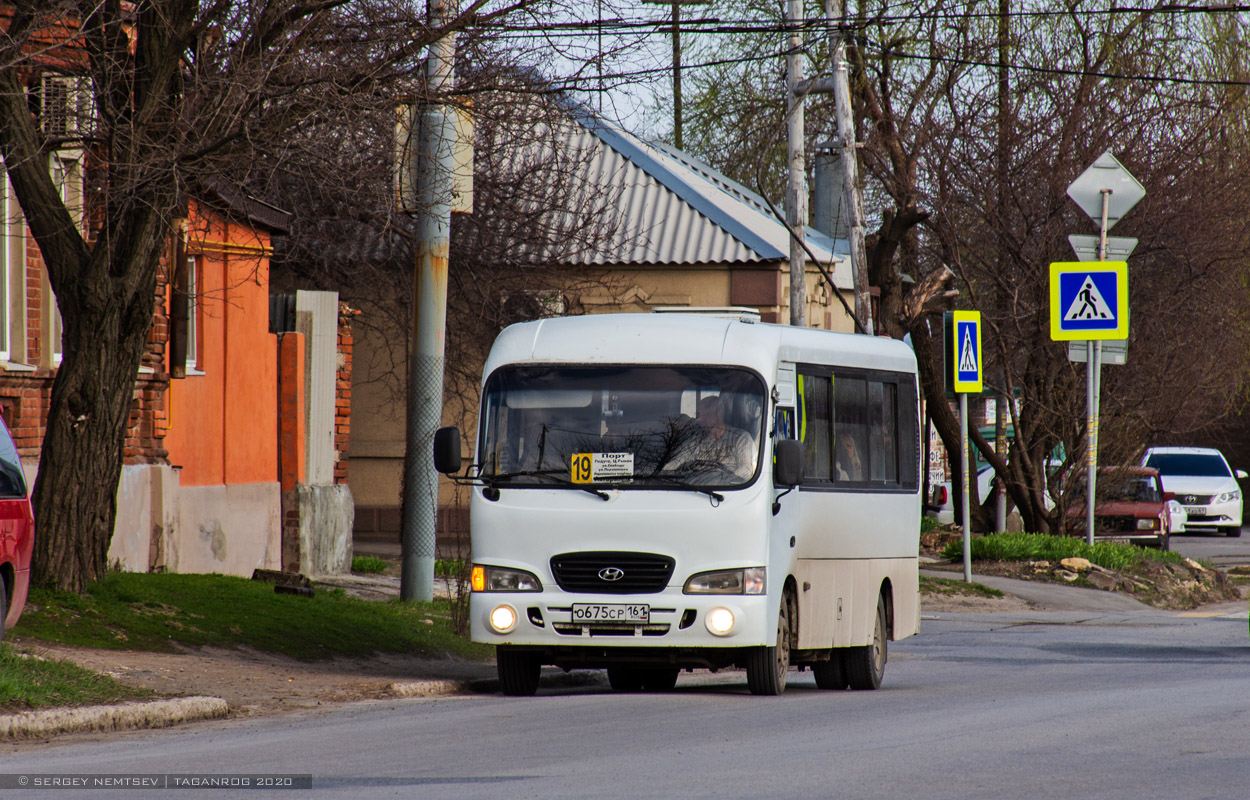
(660, 680)
(865, 666)
(767, 666)
(518, 671)
(831, 674)
(625, 679)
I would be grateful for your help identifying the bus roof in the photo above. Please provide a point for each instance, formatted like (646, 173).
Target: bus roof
(689, 339)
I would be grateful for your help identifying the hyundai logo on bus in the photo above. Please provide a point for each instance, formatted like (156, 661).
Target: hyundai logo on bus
(611, 574)
(964, 364)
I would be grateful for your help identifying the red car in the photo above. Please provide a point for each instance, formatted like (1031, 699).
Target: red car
(17, 533)
(1132, 507)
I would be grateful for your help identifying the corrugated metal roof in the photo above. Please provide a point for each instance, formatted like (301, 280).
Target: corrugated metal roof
(673, 209)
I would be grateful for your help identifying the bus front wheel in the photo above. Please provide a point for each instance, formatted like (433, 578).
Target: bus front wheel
(518, 671)
(767, 666)
(865, 666)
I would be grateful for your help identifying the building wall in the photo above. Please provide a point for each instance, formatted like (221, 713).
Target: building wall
(222, 426)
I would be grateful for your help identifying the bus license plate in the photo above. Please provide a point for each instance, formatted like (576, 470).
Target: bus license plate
(590, 613)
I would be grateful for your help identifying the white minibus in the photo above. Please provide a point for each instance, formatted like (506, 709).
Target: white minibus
(659, 492)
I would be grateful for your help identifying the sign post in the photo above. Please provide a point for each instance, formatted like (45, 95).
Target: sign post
(1080, 308)
(965, 374)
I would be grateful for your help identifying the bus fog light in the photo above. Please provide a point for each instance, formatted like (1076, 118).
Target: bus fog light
(720, 621)
(503, 618)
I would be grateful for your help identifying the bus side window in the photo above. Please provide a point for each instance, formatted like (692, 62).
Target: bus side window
(851, 429)
(815, 426)
(783, 424)
(882, 431)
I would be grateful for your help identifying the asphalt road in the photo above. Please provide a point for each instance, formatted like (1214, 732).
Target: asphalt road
(1126, 704)
(1219, 550)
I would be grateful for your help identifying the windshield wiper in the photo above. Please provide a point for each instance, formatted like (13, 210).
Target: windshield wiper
(554, 474)
(678, 483)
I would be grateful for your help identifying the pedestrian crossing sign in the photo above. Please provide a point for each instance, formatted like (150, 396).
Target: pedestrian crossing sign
(1088, 300)
(965, 352)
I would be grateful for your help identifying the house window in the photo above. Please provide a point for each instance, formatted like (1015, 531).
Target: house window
(193, 305)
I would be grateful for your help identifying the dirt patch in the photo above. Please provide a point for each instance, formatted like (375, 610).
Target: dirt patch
(933, 602)
(256, 683)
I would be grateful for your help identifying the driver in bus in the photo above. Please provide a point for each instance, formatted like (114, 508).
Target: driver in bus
(715, 443)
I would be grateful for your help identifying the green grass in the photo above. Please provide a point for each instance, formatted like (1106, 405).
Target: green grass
(1044, 547)
(947, 587)
(28, 683)
(369, 564)
(166, 611)
(927, 524)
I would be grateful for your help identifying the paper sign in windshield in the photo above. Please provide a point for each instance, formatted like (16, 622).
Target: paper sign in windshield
(594, 467)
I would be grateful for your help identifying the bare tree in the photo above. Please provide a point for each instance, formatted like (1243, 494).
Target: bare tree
(180, 90)
(973, 120)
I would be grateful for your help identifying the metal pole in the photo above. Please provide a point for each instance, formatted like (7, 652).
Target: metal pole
(835, 13)
(1000, 445)
(796, 193)
(1093, 378)
(1091, 442)
(964, 503)
(425, 368)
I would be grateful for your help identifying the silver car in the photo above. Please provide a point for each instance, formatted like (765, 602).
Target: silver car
(1204, 485)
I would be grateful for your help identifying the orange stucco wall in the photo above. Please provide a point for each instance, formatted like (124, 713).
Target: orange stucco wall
(223, 424)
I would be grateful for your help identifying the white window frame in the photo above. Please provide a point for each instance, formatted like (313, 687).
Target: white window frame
(193, 304)
(7, 222)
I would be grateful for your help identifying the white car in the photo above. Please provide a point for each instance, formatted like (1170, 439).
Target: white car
(1204, 485)
(941, 505)
(1177, 517)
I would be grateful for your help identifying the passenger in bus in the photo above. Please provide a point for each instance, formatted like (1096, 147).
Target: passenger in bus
(850, 466)
(715, 443)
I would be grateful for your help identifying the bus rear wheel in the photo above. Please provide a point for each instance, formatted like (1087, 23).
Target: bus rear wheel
(865, 666)
(831, 674)
(767, 666)
(518, 671)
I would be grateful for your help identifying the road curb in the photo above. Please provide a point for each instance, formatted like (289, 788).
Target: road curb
(127, 716)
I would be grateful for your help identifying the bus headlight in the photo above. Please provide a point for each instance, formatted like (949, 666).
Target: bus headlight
(503, 618)
(719, 621)
(499, 579)
(728, 581)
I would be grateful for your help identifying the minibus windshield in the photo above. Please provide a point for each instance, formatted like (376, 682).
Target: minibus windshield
(631, 426)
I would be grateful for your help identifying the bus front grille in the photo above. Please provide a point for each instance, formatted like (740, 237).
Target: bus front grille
(612, 572)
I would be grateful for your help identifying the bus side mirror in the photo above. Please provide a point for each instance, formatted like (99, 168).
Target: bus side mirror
(447, 450)
(788, 463)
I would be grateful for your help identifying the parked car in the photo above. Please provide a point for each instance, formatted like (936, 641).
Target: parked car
(1177, 513)
(17, 533)
(1131, 507)
(941, 505)
(1204, 485)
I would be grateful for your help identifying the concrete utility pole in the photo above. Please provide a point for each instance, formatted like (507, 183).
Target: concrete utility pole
(425, 368)
(835, 13)
(796, 191)
(840, 87)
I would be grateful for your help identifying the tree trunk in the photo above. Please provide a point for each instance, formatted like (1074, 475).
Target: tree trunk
(75, 495)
